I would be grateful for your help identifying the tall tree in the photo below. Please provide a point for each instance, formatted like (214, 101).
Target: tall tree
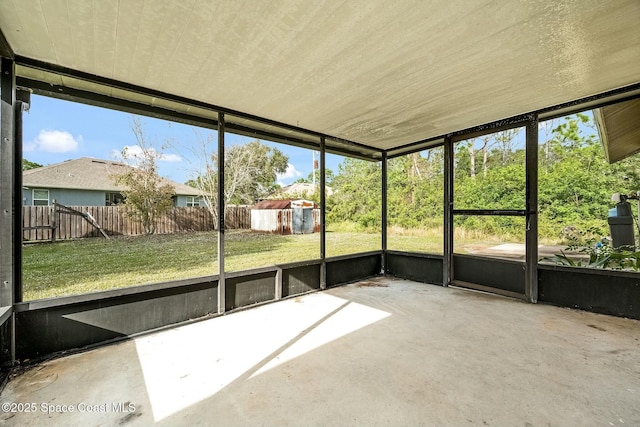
(470, 144)
(147, 195)
(414, 200)
(328, 176)
(27, 165)
(485, 154)
(505, 142)
(250, 171)
(546, 132)
(356, 198)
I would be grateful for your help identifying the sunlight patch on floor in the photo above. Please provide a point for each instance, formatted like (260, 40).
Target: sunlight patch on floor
(352, 317)
(186, 365)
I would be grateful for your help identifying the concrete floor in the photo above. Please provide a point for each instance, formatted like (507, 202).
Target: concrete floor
(379, 352)
(517, 251)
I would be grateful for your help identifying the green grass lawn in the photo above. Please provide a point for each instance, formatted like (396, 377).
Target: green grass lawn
(96, 264)
(74, 267)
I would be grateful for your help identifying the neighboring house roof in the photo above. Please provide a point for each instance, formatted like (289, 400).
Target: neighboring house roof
(88, 174)
(300, 188)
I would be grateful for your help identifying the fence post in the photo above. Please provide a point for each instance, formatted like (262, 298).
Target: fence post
(54, 221)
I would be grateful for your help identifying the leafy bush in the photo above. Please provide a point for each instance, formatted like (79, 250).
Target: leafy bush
(600, 255)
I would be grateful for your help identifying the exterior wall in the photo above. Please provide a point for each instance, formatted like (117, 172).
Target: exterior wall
(611, 292)
(70, 197)
(181, 201)
(67, 197)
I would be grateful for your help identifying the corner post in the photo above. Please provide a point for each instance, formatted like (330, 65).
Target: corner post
(221, 211)
(8, 172)
(383, 220)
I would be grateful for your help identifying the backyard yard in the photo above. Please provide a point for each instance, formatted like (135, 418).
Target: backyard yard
(96, 264)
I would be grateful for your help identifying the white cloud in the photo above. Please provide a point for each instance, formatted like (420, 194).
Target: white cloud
(134, 152)
(291, 172)
(53, 141)
(116, 155)
(170, 158)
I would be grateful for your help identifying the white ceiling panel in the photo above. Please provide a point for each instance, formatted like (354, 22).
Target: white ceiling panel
(378, 73)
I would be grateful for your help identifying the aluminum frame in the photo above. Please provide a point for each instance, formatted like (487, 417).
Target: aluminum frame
(221, 211)
(531, 216)
(10, 162)
(383, 219)
(8, 172)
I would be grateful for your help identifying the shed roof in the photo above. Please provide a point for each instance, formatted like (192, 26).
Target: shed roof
(272, 204)
(381, 74)
(283, 204)
(87, 173)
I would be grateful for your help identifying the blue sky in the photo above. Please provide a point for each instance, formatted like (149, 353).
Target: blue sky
(56, 130)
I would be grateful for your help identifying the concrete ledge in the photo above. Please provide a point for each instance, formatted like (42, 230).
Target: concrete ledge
(5, 314)
(380, 352)
(112, 293)
(601, 291)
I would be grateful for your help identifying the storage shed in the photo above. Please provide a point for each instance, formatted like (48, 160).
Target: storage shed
(286, 216)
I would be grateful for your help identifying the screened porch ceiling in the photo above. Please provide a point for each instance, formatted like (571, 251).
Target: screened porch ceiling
(373, 75)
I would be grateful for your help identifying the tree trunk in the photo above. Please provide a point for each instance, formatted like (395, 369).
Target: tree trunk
(472, 158)
(485, 156)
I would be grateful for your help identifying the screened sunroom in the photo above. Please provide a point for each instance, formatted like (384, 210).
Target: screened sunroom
(472, 169)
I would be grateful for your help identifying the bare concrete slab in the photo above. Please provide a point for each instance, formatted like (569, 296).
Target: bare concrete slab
(380, 352)
(516, 251)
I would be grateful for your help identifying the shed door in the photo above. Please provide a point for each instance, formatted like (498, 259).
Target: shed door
(302, 221)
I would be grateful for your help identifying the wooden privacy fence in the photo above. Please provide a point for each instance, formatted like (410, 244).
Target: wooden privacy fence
(58, 222)
(237, 217)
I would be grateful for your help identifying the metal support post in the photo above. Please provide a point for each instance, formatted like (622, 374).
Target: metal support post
(8, 175)
(323, 216)
(531, 240)
(23, 101)
(278, 282)
(447, 271)
(384, 213)
(9, 170)
(221, 211)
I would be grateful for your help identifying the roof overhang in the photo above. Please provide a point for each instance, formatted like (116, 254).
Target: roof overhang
(619, 129)
(365, 76)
